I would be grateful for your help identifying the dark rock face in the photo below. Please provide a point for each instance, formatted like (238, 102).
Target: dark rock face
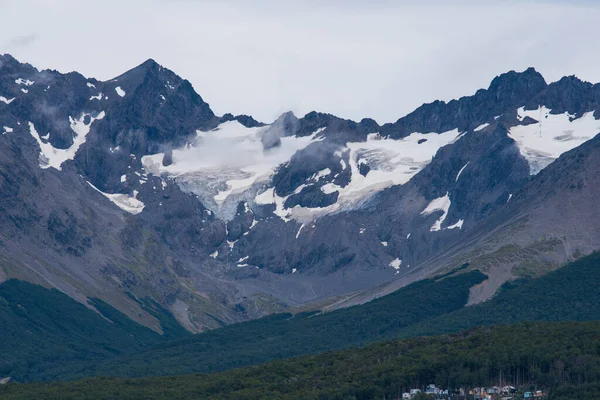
(67, 233)
(312, 197)
(507, 91)
(241, 223)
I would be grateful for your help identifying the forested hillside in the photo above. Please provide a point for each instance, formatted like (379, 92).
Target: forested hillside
(423, 308)
(563, 358)
(41, 327)
(286, 335)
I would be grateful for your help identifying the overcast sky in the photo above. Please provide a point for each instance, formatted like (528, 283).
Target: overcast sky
(354, 58)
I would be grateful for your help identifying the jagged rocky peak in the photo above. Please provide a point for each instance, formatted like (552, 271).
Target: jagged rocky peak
(148, 70)
(514, 86)
(507, 91)
(569, 94)
(10, 65)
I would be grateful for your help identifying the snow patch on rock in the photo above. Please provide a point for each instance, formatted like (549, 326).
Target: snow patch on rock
(481, 127)
(51, 157)
(461, 170)
(5, 100)
(439, 204)
(125, 202)
(554, 134)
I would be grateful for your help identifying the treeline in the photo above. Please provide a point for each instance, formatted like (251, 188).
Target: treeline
(569, 293)
(79, 345)
(424, 308)
(563, 358)
(286, 335)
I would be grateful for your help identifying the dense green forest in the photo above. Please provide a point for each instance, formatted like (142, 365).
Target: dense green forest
(285, 335)
(569, 293)
(560, 357)
(423, 308)
(41, 327)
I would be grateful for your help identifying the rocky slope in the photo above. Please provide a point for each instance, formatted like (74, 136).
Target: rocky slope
(134, 188)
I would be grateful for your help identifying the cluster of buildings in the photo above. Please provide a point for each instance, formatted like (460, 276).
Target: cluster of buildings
(430, 390)
(479, 393)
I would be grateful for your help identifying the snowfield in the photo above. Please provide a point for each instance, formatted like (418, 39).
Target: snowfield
(391, 162)
(229, 164)
(225, 163)
(554, 134)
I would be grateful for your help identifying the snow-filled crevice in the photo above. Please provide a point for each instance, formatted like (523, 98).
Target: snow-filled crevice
(50, 156)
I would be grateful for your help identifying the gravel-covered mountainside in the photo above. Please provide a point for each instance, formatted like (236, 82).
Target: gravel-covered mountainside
(133, 188)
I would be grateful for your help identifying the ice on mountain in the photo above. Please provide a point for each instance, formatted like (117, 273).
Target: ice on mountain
(225, 165)
(395, 263)
(214, 254)
(24, 90)
(299, 230)
(90, 85)
(51, 157)
(392, 162)
(97, 97)
(123, 178)
(25, 82)
(385, 244)
(318, 175)
(481, 127)
(125, 202)
(329, 188)
(439, 204)
(120, 91)
(5, 100)
(458, 225)
(461, 170)
(7, 129)
(270, 197)
(554, 134)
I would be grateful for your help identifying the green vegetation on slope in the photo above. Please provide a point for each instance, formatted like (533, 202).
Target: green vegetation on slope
(562, 357)
(569, 293)
(284, 335)
(423, 308)
(42, 328)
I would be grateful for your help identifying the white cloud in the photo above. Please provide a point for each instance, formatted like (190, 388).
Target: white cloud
(354, 59)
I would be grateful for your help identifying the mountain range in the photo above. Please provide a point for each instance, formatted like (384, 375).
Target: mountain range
(132, 192)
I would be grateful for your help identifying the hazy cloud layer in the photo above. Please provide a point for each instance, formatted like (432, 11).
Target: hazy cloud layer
(355, 58)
